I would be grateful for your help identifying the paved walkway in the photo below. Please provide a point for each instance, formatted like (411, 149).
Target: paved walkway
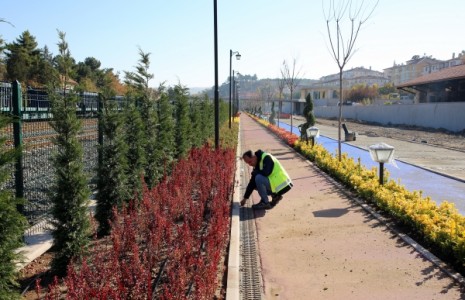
(319, 243)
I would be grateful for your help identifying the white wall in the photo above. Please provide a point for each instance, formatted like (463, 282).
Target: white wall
(450, 116)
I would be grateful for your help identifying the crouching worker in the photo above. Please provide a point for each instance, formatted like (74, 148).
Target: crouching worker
(268, 178)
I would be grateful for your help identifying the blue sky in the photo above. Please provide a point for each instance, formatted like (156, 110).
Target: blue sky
(179, 34)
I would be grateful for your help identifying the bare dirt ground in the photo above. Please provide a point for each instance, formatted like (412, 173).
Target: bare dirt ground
(37, 269)
(437, 137)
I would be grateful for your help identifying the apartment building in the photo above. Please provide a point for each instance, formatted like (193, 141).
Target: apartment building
(327, 88)
(419, 66)
(413, 68)
(454, 61)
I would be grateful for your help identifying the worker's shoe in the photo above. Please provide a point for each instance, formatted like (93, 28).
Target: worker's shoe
(275, 199)
(261, 205)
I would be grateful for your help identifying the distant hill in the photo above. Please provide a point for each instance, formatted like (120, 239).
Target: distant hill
(197, 90)
(252, 87)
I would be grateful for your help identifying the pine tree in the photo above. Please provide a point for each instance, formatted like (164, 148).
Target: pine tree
(196, 121)
(12, 223)
(182, 121)
(22, 58)
(146, 100)
(207, 122)
(112, 186)
(166, 139)
(134, 137)
(45, 72)
(70, 193)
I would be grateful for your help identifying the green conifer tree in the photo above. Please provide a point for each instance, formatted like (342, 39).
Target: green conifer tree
(166, 140)
(182, 130)
(22, 58)
(308, 114)
(207, 122)
(12, 223)
(196, 121)
(69, 193)
(112, 185)
(134, 137)
(146, 103)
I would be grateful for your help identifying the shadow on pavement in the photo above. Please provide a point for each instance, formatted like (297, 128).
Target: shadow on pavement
(330, 213)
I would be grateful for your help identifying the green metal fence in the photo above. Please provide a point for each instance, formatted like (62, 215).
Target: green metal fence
(33, 172)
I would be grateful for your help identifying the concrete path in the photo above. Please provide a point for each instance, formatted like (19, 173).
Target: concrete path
(319, 243)
(39, 239)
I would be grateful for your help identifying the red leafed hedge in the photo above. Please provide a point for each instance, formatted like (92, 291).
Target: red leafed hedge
(170, 245)
(285, 135)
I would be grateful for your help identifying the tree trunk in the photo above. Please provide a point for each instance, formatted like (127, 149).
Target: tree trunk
(339, 149)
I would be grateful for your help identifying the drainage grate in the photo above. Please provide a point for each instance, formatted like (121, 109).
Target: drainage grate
(251, 283)
(250, 271)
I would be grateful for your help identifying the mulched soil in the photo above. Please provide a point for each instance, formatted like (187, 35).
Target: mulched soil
(37, 269)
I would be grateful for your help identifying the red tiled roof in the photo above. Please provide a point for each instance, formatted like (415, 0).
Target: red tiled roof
(455, 72)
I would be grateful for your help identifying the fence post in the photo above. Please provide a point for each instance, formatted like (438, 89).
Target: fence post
(18, 141)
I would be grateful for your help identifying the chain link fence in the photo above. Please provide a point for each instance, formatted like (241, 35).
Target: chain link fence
(32, 175)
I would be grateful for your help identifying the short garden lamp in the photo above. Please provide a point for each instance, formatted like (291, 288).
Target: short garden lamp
(313, 132)
(381, 153)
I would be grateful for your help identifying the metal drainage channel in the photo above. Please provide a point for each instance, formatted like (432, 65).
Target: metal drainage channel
(250, 275)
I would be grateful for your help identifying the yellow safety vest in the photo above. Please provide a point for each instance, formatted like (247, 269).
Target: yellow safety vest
(279, 178)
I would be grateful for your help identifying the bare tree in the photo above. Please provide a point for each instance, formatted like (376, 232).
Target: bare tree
(291, 79)
(342, 42)
(266, 93)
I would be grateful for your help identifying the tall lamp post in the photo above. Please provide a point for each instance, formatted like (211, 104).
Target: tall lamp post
(381, 153)
(217, 97)
(238, 57)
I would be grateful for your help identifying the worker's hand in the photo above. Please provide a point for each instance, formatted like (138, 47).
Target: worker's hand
(243, 202)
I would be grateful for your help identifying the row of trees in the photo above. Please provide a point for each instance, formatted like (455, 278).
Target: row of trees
(22, 60)
(140, 145)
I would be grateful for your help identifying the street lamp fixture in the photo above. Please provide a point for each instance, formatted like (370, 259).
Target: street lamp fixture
(238, 57)
(381, 153)
(313, 132)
